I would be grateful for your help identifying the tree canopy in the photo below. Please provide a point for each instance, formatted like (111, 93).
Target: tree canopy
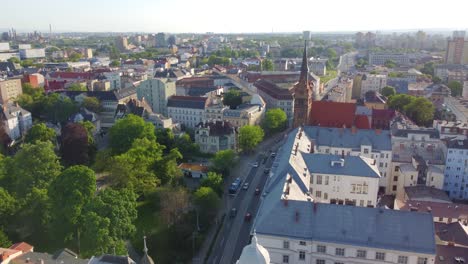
(250, 136)
(418, 109)
(75, 144)
(232, 98)
(40, 132)
(77, 87)
(275, 120)
(126, 130)
(207, 202)
(214, 181)
(92, 104)
(223, 160)
(456, 88)
(388, 91)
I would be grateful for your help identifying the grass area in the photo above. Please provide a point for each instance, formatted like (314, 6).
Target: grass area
(330, 75)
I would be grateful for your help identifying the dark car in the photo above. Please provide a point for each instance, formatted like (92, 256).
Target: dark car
(266, 170)
(233, 213)
(247, 217)
(257, 191)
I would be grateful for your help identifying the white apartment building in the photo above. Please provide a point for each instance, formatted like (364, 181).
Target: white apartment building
(418, 158)
(381, 58)
(31, 53)
(276, 97)
(215, 136)
(373, 82)
(156, 93)
(456, 169)
(187, 110)
(114, 79)
(294, 228)
(16, 120)
(368, 143)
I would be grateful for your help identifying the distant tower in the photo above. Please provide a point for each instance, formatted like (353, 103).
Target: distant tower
(302, 94)
(306, 35)
(146, 259)
(50, 32)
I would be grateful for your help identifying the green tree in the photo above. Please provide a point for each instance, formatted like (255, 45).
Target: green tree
(456, 88)
(92, 104)
(27, 63)
(249, 137)
(188, 149)
(34, 165)
(399, 101)
(207, 202)
(126, 130)
(331, 53)
(232, 98)
(267, 65)
(75, 57)
(275, 120)
(8, 207)
(77, 87)
(436, 80)
(420, 110)
(388, 91)
(428, 68)
(14, 60)
(57, 108)
(40, 132)
(223, 161)
(390, 64)
(214, 181)
(4, 240)
(89, 130)
(173, 203)
(115, 63)
(70, 193)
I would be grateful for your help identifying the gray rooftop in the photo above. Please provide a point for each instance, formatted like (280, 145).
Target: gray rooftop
(353, 165)
(344, 138)
(348, 225)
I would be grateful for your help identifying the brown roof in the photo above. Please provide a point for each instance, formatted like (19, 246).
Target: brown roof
(218, 128)
(420, 192)
(22, 246)
(273, 90)
(446, 210)
(452, 232)
(448, 254)
(193, 167)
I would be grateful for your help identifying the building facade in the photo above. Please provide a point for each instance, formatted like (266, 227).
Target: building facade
(381, 58)
(187, 110)
(9, 90)
(215, 136)
(373, 82)
(156, 93)
(16, 120)
(457, 49)
(276, 97)
(456, 169)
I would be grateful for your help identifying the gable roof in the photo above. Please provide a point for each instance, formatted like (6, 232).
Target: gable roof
(332, 114)
(352, 166)
(273, 90)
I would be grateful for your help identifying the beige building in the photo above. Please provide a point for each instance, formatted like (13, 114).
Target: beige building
(215, 136)
(156, 93)
(457, 49)
(9, 90)
(247, 114)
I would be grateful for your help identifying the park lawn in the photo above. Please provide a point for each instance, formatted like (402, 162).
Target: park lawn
(330, 75)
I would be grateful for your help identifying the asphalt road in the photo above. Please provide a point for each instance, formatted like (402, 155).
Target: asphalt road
(235, 233)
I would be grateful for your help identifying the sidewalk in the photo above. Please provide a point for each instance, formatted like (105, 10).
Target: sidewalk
(242, 168)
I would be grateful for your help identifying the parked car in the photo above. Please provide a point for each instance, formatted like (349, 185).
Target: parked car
(247, 217)
(273, 154)
(266, 170)
(255, 165)
(233, 212)
(245, 186)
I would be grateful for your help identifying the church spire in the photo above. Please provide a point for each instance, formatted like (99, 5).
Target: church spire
(145, 249)
(305, 66)
(146, 259)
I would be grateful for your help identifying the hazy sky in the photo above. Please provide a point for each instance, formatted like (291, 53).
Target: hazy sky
(231, 16)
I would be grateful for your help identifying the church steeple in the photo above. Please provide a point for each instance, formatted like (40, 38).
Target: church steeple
(302, 94)
(146, 259)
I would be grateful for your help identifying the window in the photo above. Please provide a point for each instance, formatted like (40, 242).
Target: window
(394, 188)
(422, 260)
(320, 261)
(369, 203)
(361, 203)
(326, 179)
(381, 164)
(397, 168)
(380, 255)
(395, 178)
(325, 196)
(339, 251)
(381, 155)
(319, 179)
(286, 244)
(366, 151)
(302, 243)
(301, 255)
(285, 259)
(321, 248)
(402, 259)
(361, 254)
(311, 179)
(318, 194)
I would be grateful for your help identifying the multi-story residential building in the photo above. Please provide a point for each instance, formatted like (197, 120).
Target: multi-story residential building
(342, 91)
(4, 46)
(276, 97)
(187, 110)
(31, 53)
(381, 58)
(16, 120)
(156, 93)
(368, 143)
(373, 82)
(9, 90)
(418, 158)
(114, 79)
(458, 106)
(374, 100)
(318, 66)
(451, 129)
(35, 79)
(451, 72)
(215, 136)
(294, 228)
(456, 169)
(457, 49)
(121, 43)
(245, 114)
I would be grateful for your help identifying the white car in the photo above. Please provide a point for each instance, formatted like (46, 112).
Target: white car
(255, 165)
(245, 186)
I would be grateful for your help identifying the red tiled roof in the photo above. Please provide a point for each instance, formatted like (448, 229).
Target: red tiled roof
(71, 75)
(22, 246)
(447, 210)
(333, 114)
(54, 85)
(362, 122)
(383, 113)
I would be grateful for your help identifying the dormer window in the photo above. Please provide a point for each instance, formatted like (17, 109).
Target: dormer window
(366, 151)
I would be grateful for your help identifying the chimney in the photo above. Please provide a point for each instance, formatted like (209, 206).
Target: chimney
(315, 206)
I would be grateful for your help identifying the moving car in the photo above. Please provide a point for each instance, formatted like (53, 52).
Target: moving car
(255, 165)
(245, 186)
(273, 154)
(266, 170)
(233, 212)
(247, 217)
(257, 191)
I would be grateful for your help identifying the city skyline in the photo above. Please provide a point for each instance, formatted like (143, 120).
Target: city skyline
(181, 16)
